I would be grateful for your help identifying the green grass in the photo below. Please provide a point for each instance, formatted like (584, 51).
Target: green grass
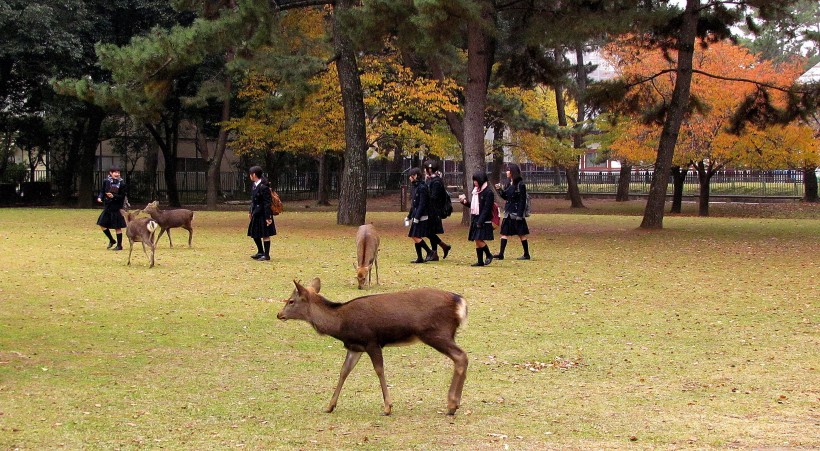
(702, 335)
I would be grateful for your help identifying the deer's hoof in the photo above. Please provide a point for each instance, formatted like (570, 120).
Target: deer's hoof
(387, 411)
(329, 409)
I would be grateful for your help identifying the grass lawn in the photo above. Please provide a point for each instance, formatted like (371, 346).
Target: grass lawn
(704, 334)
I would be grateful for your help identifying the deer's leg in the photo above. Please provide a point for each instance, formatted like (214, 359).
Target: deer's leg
(152, 254)
(130, 249)
(170, 243)
(375, 353)
(190, 234)
(351, 359)
(448, 347)
(161, 231)
(376, 262)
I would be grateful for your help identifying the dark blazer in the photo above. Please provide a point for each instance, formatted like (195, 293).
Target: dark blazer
(486, 199)
(119, 190)
(516, 197)
(420, 205)
(261, 200)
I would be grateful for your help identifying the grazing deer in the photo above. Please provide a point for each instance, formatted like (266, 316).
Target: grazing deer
(140, 230)
(369, 323)
(169, 219)
(367, 254)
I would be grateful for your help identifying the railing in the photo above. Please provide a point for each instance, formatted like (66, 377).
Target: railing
(192, 186)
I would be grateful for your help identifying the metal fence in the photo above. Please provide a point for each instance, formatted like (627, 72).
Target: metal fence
(191, 186)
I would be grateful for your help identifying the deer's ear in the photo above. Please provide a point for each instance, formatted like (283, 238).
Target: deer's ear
(299, 288)
(316, 284)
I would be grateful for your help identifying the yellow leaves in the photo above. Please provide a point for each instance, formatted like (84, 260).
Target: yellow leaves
(794, 146)
(399, 106)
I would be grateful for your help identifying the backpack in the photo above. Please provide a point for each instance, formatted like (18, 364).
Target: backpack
(496, 217)
(445, 207)
(444, 204)
(276, 206)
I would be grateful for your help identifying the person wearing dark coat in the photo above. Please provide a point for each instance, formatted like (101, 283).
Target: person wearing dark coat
(438, 195)
(419, 216)
(481, 215)
(112, 196)
(514, 223)
(261, 226)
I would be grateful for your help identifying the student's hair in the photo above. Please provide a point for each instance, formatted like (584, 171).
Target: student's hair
(415, 171)
(515, 172)
(480, 177)
(114, 168)
(432, 165)
(256, 170)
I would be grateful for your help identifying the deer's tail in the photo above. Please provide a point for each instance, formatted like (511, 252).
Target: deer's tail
(152, 226)
(461, 309)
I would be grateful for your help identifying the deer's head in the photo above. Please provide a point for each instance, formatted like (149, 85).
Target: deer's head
(361, 275)
(297, 305)
(153, 206)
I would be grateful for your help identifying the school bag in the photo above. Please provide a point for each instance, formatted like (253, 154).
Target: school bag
(527, 207)
(496, 217)
(445, 205)
(276, 206)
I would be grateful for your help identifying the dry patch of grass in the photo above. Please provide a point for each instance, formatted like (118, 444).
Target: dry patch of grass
(700, 335)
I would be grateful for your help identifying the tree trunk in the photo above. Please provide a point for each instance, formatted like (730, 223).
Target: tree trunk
(479, 62)
(323, 194)
(498, 152)
(213, 179)
(88, 150)
(704, 178)
(166, 139)
(810, 185)
(151, 165)
(678, 179)
(576, 201)
(624, 180)
(353, 190)
(653, 213)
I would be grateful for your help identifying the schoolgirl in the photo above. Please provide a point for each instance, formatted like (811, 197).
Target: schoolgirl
(481, 203)
(514, 223)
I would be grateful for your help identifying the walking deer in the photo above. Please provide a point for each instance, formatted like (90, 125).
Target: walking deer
(140, 230)
(369, 323)
(168, 219)
(367, 254)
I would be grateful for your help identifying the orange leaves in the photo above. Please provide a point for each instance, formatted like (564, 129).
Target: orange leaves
(725, 75)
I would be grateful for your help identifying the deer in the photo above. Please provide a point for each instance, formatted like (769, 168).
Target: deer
(140, 230)
(367, 254)
(369, 323)
(169, 219)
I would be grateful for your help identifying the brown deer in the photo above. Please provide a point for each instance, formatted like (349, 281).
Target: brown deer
(367, 254)
(168, 219)
(369, 323)
(140, 230)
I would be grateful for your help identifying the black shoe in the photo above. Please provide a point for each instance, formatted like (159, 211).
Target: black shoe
(432, 257)
(446, 250)
(419, 260)
(524, 257)
(478, 264)
(488, 260)
(498, 257)
(118, 248)
(111, 244)
(263, 258)
(257, 255)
